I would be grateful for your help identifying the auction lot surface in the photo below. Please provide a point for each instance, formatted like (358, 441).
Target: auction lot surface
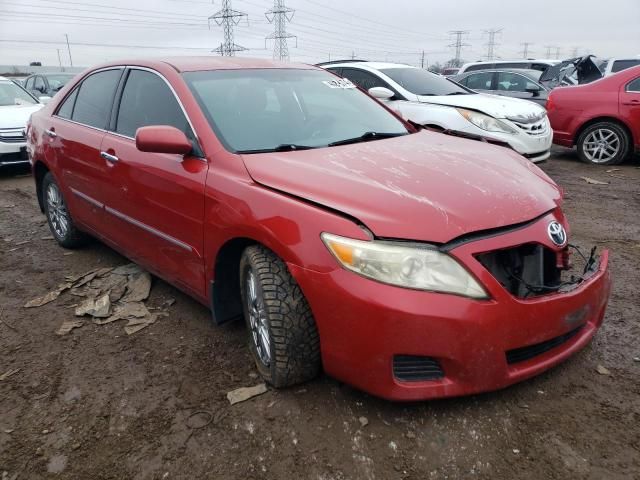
(99, 404)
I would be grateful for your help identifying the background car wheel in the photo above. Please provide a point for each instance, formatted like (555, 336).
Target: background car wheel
(60, 221)
(283, 337)
(603, 143)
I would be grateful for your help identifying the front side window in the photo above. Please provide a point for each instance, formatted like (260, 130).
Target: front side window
(514, 82)
(29, 84)
(479, 81)
(147, 100)
(12, 94)
(95, 98)
(364, 80)
(421, 82)
(39, 85)
(634, 86)
(255, 110)
(56, 82)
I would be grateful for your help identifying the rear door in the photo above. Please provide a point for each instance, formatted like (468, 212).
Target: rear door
(155, 205)
(516, 85)
(75, 133)
(630, 106)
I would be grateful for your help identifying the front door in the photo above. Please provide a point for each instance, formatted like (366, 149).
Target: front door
(155, 206)
(630, 106)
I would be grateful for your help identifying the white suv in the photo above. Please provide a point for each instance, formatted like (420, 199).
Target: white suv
(437, 102)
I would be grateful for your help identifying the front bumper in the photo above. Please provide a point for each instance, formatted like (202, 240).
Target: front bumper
(14, 152)
(364, 324)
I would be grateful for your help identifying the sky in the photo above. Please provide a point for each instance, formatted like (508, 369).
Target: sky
(399, 31)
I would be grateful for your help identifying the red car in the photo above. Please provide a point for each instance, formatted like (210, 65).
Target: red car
(602, 118)
(408, 263)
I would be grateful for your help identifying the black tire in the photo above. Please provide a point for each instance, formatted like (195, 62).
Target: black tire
(70, 236)
(294, 344)
(616, 136)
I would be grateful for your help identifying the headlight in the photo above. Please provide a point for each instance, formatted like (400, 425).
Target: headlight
(417, 267)
(485, 122)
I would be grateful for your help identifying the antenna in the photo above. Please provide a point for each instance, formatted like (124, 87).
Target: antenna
(279, 15)
(228, 18)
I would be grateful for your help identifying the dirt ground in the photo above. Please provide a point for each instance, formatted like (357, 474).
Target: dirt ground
(98, 404)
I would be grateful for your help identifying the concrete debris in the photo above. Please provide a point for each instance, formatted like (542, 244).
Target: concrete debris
(245, 393)
(602, 370)
(109, 294)
(593, 181)
(364, 421)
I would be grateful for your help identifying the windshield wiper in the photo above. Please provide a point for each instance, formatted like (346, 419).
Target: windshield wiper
(365, 137)
(458, 93)
(284, 147)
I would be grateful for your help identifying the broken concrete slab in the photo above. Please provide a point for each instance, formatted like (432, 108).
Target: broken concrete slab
(245, 393)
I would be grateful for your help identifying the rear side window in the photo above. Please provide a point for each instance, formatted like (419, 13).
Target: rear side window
(620, 65)
(634, 86)
(66, 109)
(95, 98)
(147, 100)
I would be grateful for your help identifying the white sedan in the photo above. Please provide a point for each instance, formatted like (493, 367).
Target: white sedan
(16, 106)
(437, 102)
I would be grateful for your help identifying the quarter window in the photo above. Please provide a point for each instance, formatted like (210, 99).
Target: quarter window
(95, 98)
(634, 86)
(66, 109)
(147, 100)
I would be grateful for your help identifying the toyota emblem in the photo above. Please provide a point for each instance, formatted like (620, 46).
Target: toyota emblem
(557, 233)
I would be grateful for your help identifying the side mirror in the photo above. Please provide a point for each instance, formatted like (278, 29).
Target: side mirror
(162, 139)
(535, 91)
(381, 93)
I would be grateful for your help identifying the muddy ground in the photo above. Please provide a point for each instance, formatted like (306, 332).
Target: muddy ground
(98, 404)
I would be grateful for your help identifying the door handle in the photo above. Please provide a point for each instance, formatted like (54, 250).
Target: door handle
(108, 157)
(632, 102)
(51, 133)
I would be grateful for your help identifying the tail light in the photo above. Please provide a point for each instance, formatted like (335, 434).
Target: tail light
(550, 102)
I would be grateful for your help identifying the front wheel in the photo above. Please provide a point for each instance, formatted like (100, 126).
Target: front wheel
(283, 337)
(60, 222)
(603, 143)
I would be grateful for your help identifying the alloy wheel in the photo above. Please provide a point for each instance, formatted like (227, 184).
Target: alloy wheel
(601, 145)
(57, 211)
(258, 321)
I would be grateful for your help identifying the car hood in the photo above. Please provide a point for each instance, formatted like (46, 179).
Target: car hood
(493, 105)
(16, 116)
(425, 186)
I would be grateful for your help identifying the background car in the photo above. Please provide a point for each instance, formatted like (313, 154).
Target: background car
(16, 106)
(601, 118)
(436, 102)
(527, 64)
(46, 85)
(450, 71)
(617, 64)
(514, 83)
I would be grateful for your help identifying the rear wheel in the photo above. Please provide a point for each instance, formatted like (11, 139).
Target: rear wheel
(603, 143)
(283, 337)
(60, 222)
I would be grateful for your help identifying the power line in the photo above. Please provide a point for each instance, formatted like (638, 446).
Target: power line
(279, 15)
(525, 49)
(492, 44)
(228, 18)
(458, 44)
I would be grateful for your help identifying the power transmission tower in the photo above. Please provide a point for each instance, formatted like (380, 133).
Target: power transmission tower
(228, 18)
(549, 48)
(525, 49)
(458, 44)
(279, 15)
(574, 52)
(557, 53)
(491, 44)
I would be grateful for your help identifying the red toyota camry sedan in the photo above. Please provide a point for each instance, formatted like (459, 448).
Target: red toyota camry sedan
(408, 263)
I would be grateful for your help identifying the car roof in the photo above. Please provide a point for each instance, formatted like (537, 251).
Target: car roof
(524, 71)
(374, 65)
(196, 64)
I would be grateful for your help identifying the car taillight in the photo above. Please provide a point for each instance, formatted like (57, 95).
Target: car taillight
(550, 103)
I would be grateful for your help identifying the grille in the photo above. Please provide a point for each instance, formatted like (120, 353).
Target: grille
(525, 353)
(535, 129)
(12, 136)
(410, 368)
(525, 271)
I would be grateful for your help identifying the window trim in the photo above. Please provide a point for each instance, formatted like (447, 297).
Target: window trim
(626, 87)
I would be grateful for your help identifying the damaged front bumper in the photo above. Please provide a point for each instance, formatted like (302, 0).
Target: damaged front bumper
(403, 344)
